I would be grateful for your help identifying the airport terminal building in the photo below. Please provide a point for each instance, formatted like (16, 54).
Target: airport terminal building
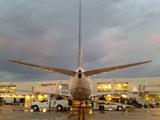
(99, 86)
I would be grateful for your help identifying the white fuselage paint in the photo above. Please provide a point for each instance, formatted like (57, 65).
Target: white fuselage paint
(80, 87)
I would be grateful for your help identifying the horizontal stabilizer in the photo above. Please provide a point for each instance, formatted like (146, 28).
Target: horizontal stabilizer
(51, 69)
(104, 70)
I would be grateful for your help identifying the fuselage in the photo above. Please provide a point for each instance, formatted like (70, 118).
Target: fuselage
(80, 87)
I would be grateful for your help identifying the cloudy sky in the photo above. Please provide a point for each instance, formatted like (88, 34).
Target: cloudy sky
(45, 32)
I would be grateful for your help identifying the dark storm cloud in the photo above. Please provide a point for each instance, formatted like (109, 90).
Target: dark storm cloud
(46, 33)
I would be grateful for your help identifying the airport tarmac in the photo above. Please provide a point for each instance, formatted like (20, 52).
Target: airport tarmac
(9, 112)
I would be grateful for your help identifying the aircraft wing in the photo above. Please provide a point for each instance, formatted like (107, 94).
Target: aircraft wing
(104, 70)
(51, 69)
(66, 95)
(113, 93)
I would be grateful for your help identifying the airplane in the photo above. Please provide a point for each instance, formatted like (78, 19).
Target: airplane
(80, 87)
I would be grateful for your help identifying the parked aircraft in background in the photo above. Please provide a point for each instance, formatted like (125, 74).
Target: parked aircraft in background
(80, 87)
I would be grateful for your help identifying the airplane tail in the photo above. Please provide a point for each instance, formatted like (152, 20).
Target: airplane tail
(72, 73)
(80, 42)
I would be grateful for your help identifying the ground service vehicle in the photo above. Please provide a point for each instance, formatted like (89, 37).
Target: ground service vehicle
(50, 102)
(109, 105)
(139, 102)
(14, 101)
(155, 103)
(9, 101)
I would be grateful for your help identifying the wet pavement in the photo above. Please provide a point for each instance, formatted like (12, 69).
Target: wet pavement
(8, 112)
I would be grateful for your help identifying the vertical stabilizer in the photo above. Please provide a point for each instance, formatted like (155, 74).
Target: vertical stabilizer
(80, 42)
